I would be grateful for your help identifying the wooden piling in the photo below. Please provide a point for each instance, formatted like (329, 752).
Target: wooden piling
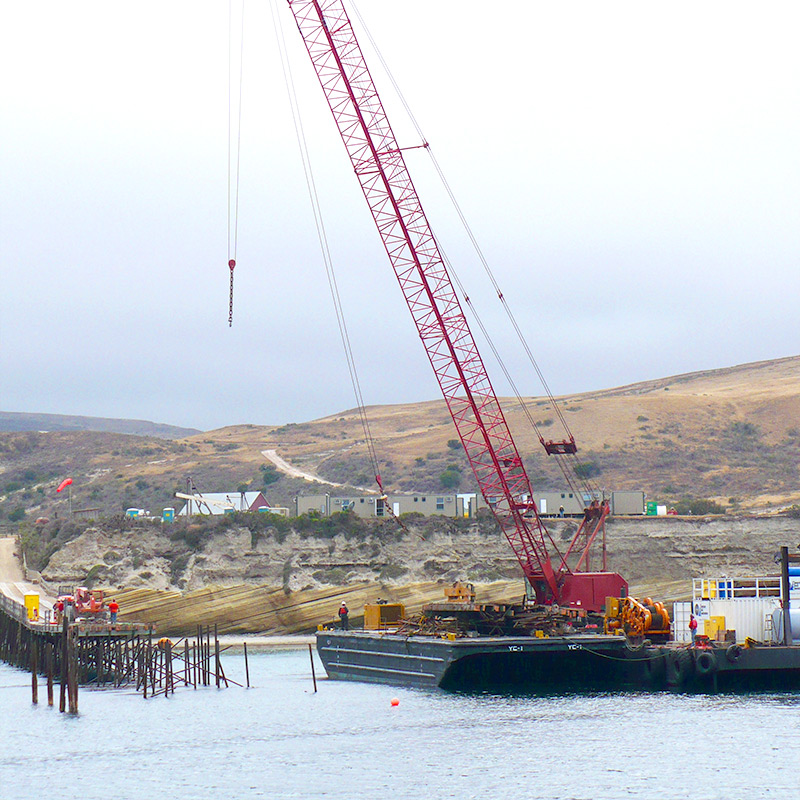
(49, 662)
(207, 659)
(313, 673)
(216, 654)
(246, 666)
(72, 676)
(168, 685)
(62, 701)
(34, 674)
(98, 660)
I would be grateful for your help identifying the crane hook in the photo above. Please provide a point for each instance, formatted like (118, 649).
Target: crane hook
(232, 265)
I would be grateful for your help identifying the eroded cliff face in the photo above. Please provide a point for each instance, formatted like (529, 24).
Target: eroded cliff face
(643, 550)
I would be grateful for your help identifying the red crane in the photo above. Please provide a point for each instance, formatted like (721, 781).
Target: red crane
(389, 191)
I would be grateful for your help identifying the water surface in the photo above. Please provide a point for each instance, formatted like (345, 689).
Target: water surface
(278, 739)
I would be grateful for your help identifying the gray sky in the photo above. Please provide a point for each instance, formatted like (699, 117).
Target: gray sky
(630, 169)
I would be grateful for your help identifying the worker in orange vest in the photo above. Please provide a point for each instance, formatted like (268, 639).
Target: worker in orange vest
(343, 614)
(113, 610)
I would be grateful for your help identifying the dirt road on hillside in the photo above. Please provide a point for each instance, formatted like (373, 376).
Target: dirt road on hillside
(294, 472)
(12, 579)
(10, 568)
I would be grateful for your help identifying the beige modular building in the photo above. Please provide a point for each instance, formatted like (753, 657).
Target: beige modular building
(550, 504)
(447, 505)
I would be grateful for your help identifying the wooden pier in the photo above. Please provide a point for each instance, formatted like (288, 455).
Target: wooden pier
(93, 653)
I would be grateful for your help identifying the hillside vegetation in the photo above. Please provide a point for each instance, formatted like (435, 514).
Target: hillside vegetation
(731, 435)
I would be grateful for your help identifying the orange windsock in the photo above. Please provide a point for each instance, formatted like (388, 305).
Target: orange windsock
(63, 485)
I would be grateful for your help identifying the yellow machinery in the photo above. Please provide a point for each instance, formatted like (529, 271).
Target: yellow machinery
(460, 593)
(383, 615)
(32, 607)
(637, 618)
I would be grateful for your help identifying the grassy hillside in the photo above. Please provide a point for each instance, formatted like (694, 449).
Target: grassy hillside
(730, 434)
(15, 421)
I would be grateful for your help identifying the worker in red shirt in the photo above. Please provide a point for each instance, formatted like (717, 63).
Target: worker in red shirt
(693, 627)
(113, 610)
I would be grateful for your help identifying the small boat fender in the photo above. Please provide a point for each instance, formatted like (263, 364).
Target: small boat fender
(706, 662)
(733, 653)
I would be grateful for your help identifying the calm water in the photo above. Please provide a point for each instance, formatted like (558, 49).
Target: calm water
(281, 740)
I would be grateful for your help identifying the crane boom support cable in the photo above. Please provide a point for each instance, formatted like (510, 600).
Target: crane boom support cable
(467, 228)
(324, 247)
(423, 277)
(563, 467)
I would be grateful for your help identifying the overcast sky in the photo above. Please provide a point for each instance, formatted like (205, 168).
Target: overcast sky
(631, 171)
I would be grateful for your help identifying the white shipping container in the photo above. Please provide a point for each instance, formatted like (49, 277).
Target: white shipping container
(747, 616)
(680, 622)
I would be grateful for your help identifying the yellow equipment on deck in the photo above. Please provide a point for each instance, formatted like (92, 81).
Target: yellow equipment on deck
(383, 615)
(460, 593)
(636, 618)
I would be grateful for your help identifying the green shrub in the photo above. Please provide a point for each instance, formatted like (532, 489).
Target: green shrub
(698, 507)
(454, 444)
(269, 474)
(450, 478)
(587, 470)
(17, 514)
(93, 574)
(390, 571)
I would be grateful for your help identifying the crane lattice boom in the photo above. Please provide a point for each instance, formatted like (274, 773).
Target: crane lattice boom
(387, 186)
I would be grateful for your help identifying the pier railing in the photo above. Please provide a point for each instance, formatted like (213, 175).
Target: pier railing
(735, 588)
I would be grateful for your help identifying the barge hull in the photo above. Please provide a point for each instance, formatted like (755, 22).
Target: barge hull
(569, 663)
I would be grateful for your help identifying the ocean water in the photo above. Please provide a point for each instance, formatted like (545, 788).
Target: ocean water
(280, 740)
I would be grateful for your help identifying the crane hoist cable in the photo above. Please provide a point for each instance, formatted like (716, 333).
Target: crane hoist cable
(234, 158)
(325, 249)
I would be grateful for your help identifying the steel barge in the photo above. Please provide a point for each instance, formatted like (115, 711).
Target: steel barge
(583, 662)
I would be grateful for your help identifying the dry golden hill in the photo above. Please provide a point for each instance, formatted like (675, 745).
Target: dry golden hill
(730, 434)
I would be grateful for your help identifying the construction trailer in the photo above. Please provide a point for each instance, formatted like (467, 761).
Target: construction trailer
(627, 503)
(445, 505)
(550, 504)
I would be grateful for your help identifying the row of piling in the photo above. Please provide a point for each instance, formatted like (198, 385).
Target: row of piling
(116, 658)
